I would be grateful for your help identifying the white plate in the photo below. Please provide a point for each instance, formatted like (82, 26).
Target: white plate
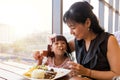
(60, 73)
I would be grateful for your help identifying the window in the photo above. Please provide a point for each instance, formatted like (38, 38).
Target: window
(24, 27)
(106, 18)
(95, 3)
(66, 5)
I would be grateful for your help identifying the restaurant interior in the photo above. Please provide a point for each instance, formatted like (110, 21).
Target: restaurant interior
(25, 26)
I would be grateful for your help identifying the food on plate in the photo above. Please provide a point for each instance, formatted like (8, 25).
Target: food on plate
(43, 67)
(40, 72)
(50, 74)
(28, 73)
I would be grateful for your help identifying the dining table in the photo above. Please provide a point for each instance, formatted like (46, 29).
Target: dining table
(10, 70)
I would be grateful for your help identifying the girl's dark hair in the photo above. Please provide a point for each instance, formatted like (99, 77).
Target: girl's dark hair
(79, 12)
(58, 38)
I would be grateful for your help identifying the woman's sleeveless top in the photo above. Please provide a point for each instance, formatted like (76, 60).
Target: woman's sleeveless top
(96, 57)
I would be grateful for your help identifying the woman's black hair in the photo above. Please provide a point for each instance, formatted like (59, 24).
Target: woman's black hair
(58, 38)
(79, 12)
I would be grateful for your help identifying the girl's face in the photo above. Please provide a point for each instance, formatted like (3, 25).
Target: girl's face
(79, 30)
(59, 47)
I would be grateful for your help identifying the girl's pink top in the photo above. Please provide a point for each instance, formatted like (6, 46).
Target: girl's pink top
(50, 62)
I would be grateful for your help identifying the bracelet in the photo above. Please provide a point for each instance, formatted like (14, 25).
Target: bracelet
(90, 73)
(86, 77)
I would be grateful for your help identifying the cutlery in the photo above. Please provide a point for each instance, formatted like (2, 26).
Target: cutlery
(70, 56)
(44, 60)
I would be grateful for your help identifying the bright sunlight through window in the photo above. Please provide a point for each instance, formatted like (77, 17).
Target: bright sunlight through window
(24, 26)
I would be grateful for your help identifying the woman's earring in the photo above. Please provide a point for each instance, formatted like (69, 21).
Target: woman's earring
(88, 29)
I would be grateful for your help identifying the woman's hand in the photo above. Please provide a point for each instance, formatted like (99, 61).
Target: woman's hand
(77, 69)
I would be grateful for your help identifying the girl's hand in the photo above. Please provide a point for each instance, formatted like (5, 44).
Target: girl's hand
(39, 56)
(36, 55)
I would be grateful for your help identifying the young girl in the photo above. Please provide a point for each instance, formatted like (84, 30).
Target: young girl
(57, 54)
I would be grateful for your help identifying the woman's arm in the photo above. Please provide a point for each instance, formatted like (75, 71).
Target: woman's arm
(113, 56)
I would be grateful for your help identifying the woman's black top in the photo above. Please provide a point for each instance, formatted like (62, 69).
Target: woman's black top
(96, 56)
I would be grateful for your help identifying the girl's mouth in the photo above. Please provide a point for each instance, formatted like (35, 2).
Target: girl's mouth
(60, 48)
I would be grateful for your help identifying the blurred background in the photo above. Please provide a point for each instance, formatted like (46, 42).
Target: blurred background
(26, 24)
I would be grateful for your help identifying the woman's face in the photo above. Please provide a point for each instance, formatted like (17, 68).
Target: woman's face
(59, 47)
(79, 30)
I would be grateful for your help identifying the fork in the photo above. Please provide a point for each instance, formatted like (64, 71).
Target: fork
(44, 60)
(70, 56)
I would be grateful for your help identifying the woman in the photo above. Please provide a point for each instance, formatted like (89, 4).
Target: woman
(97, 52)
